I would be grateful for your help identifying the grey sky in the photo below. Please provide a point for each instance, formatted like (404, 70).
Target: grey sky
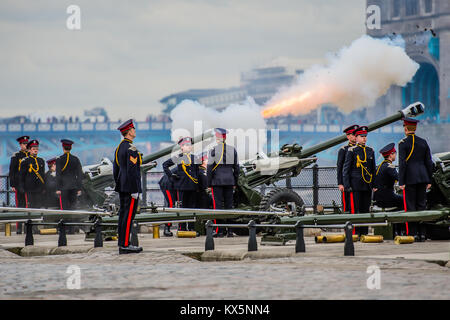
(129, 54)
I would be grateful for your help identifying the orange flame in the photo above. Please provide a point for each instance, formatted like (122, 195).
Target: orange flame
(278, 108)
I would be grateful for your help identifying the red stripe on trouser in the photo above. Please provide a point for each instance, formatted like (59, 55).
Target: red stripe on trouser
(60, 202)
(352, 204)
(404, 205)
(214, 207)
(26, 200)
(127, 233)
(169, 196)
(17, 205)
(343, 199)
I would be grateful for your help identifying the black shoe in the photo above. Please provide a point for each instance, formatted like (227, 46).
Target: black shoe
(129, 249)
(218, 235)
(167, 232)
(417, 238)
(230, 234)
(423, 238)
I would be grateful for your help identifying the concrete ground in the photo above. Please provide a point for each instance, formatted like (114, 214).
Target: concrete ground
(176, 268)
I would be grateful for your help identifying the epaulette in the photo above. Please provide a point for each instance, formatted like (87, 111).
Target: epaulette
(391, 165)
(343, 147)
(402, 140)
(132, 147)
(351, 148)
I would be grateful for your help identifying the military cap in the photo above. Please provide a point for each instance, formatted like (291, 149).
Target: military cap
(23, 139)
(410, 122)
(33, 143)
(67, 142)
(221, 133)
(361, 131)
(185, 140)
(351, 129)
(51, 161)
(127, 125)
(388, 149)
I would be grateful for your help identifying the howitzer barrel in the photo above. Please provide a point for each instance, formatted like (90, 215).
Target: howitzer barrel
(411, 111)
(166, 151)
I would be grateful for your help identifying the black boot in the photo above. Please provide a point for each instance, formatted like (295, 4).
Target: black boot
(167, 232)
(129, 249)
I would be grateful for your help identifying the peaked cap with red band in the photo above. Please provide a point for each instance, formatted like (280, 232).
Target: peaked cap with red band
(23, 139)
(410, 122)
(67, 143)
(351, 129)
(51, 161)
(361, 131)
(221, 133)
(33, 143)
(185, 140)
(127, 125)
(388, 149)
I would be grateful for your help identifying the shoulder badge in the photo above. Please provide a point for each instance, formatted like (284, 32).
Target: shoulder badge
(391, 165)
(132, 147)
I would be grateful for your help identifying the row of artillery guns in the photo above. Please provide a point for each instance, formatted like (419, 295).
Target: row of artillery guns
(280, 205)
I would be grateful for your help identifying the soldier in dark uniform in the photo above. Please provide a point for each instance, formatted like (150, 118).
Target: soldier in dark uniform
(69, 177)
(202, 196)
(222, 174)
(169, 191)
(14, 176)
(127, 176)
(52, 199)
(186, 178)
(32, 177)
(359, 169)
(385, 177)
(415, 172)
(340, 166)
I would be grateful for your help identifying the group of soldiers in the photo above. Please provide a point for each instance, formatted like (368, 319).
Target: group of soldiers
(186, 181)
(359, 178)
(35, 188)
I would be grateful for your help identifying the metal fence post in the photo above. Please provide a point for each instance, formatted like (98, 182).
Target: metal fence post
(300, 242)
(289, 183)
(134, 234)
(62, 240)
(7, 191)
(315, 187)
(209, 242)
(252, 244)
(29, 241)
(98, 242)
(349, 248)
(144, 188)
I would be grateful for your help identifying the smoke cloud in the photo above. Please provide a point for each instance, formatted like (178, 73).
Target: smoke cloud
(244, 122)
(354, 77)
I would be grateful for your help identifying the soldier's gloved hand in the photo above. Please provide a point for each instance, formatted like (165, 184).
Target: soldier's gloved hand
(135, 195)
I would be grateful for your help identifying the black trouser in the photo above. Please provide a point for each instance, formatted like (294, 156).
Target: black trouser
(20, 203)
(222, 199)
(35, 199)
(127, 211)
(361, 202)
(68, 199)
(416, 200)
(170, 197)
(345, 196)
(188, 200)
(389, 200)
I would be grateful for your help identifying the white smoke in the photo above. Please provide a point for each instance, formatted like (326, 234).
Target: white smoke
(354, 77)
(244, 122)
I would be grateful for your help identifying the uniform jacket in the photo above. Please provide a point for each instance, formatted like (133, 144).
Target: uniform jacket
(340, 162)
(52, 200)
(419, 167)
(69, 174)
(187, 171)
(223, 166)
(358, 174)
(14, 168)
(165, 183)
(32, 174)
(384, 180)
(127, 168)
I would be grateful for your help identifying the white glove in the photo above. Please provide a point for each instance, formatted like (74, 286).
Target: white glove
(135, 195)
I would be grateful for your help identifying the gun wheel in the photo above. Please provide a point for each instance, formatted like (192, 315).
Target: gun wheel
(279, 199)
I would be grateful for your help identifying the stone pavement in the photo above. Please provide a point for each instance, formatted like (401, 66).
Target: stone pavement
(170, 268)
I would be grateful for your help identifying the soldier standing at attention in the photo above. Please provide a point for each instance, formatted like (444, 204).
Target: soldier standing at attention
(127, 175)
(186, 178)
(359, 169)
(222, 174)
(350, 132)
(16, 159)
(415, 172)
(385, 177)
(69, 177)
(52, 199)
(31, 176)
